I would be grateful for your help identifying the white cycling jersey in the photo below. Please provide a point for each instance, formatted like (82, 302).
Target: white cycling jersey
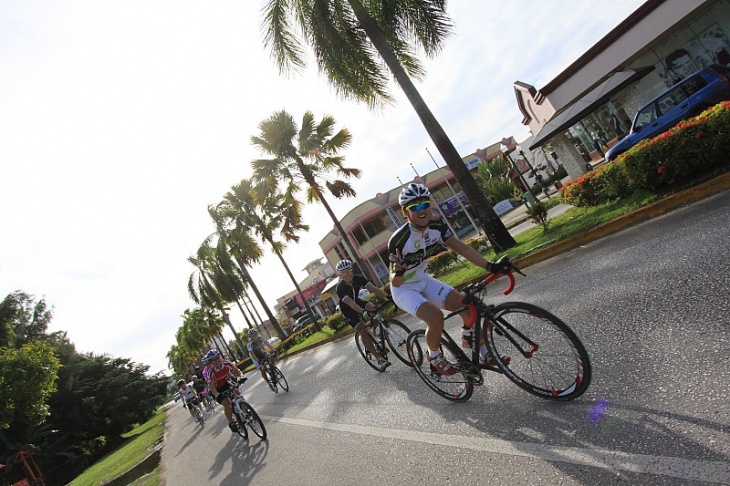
(417, 246)
(187, 392)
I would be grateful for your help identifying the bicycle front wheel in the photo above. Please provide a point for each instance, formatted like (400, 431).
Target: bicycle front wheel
(254, 421)
(280, 379)
(240, 424)
(396, 333)
(456, 387)
(369, 358)
(546, 357)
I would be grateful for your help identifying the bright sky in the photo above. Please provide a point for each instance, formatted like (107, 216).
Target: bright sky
(121, 121)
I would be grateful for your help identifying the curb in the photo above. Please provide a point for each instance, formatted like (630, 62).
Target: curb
(657, 208)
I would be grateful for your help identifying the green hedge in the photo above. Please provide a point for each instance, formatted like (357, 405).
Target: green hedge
(670, 160)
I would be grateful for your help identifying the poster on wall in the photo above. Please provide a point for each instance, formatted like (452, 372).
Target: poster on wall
(708, 47)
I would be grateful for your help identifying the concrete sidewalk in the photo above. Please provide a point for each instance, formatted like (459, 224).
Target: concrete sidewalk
(517, 221)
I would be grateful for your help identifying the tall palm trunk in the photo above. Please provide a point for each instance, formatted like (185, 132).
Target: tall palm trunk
(497, 233)
(216, 298)
(311, 313)
(253, 311)
(227, 320)
(260, 298)
(307, 174)
(226, 345)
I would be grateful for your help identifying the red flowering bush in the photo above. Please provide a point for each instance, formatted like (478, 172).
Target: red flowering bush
(670, 159)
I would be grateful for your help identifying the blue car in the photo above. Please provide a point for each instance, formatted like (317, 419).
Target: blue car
(686, 99)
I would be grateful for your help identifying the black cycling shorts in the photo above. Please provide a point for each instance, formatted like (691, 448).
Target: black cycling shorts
(220, 397)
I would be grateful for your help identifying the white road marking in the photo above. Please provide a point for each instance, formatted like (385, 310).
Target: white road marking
(675, 467)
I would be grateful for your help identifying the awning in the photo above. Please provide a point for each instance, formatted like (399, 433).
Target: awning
(589, 103)
(330, 287)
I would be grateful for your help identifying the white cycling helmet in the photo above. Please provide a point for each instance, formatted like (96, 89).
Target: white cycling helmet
(412, 192)
(343, 265)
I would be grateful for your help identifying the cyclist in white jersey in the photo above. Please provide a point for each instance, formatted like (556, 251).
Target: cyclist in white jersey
(413, 289)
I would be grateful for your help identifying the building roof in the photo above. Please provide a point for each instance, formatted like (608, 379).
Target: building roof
(588, 103)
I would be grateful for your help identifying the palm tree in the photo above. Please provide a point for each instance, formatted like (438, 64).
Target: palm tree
(244, 212)
(211, 286)
(242, 248)
(344, 36)
(316, 144)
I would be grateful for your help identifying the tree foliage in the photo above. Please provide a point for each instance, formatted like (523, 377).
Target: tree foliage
(68, 408)
(27, 379)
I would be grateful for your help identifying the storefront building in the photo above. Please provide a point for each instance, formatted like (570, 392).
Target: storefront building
(590, 106)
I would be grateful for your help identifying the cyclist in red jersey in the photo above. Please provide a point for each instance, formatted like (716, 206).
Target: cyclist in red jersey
(216, 375)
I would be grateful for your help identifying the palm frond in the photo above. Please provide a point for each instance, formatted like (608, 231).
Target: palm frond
(285, 48)
(340, 189)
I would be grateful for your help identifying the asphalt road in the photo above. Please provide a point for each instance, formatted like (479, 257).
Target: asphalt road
(652, 306)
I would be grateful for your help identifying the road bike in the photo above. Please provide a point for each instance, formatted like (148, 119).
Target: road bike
(539, 352)
(208, 401)
(244, 414)
(195, 411)
(386, 334)
(276, 377)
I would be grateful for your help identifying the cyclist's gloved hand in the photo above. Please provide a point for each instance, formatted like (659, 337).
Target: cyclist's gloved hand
(242, 380)
(502, 266)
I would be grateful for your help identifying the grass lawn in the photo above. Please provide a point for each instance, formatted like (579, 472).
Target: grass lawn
(141, 441)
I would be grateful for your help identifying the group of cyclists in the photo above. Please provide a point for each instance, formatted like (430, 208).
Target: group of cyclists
(412, 289)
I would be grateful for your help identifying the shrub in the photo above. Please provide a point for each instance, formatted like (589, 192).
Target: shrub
(336, 321)
(439, 263)
(479, 243)
(672, 159)
(539, 214)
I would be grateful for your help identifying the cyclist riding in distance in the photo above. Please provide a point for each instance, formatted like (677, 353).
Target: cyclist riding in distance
(258, 350)
(354, 309)
(190, 396)
(216, 375)
(418, 293)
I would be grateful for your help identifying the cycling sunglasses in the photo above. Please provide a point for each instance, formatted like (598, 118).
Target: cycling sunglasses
(419, 206)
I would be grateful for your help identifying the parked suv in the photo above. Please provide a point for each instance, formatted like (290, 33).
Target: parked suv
(686, 99)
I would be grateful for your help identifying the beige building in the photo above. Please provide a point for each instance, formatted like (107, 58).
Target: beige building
(590, 106)
(290, 307)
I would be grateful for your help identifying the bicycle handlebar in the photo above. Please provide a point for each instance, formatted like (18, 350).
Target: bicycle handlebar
(505, 261)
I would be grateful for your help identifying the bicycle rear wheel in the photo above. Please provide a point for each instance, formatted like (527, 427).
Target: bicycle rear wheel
(280, 379)
(254, 421)
(546, 357)
(396, 333)
(198, 415)
(369, 358)
(455, 387)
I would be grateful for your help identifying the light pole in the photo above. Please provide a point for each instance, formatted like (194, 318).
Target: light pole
(458, 199)
(529, 196)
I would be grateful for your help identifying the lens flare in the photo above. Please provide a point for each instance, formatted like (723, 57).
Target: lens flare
(598, 410)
